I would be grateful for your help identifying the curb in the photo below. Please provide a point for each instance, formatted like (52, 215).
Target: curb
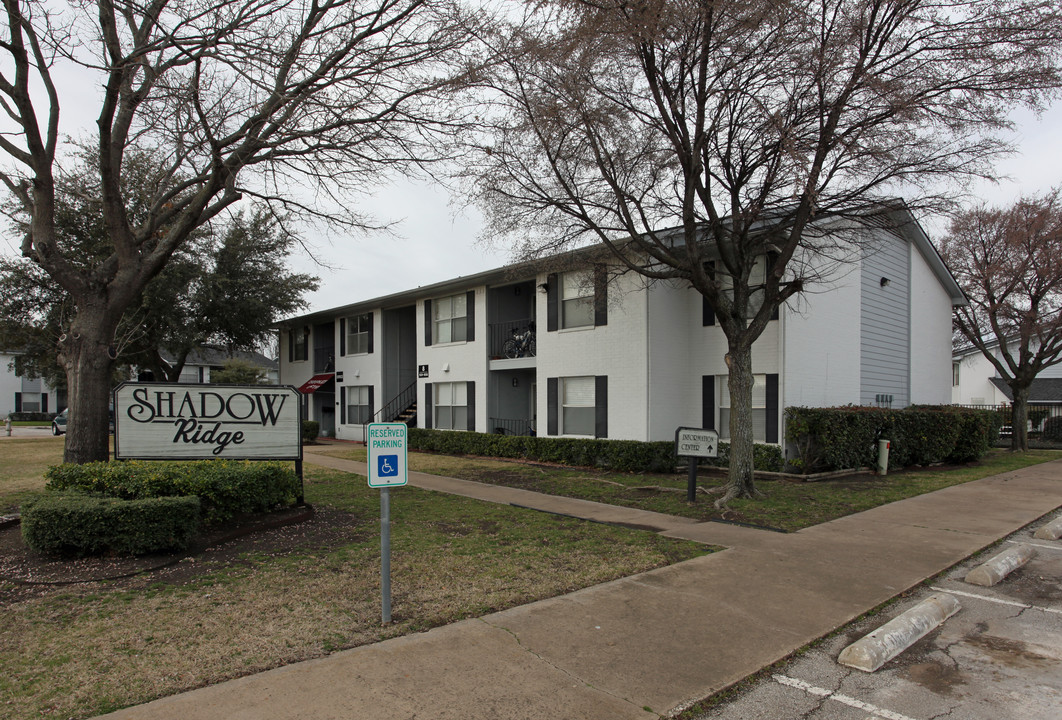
(1050, 531)
(877, 648)
(998, 567)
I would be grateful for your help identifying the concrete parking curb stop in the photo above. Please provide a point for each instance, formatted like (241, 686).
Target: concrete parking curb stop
(999, 566)
(1050, 531)
(874, 650)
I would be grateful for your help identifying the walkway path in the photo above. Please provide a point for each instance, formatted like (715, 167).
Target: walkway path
(641, 646)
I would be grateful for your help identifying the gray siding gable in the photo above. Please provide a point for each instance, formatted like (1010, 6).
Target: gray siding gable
(885, 321)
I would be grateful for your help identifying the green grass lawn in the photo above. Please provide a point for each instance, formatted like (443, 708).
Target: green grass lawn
(784, 505)
(81, 650)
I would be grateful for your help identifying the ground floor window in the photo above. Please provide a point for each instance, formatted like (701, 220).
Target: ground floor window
(759, 407)
(451, 406)
(578, 406)
(359, 404)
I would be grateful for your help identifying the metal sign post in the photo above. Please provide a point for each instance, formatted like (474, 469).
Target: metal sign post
(387, 449)
(694, 443)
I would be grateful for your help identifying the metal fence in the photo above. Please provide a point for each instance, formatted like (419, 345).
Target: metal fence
(502, 331)
(1038, 413)
(510, 426)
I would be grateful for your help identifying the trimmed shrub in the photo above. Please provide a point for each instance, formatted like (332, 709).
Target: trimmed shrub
(74, 524)
(841, 438)
(1053, 429)
(310, 430)
(31, 416)
(617, 455)
(225, 488)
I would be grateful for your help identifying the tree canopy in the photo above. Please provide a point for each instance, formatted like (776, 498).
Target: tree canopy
(300, 105)
(1008, 261)
(703, 141)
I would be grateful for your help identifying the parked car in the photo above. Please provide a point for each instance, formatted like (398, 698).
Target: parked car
(59, 423)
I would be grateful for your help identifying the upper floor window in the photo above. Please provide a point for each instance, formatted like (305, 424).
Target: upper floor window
(577, 299)
(359, 331)
(757, 281)
(299, 344)
(450, 319)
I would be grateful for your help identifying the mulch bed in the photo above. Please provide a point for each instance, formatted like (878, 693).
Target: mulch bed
(26, 574)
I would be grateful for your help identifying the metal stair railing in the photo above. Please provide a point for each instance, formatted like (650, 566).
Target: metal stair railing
(397, 404)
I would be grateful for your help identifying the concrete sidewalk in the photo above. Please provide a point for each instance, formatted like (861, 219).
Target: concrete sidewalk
(646, 645)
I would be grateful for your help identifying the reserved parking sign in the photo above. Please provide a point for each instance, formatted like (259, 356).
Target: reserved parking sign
(387, 444)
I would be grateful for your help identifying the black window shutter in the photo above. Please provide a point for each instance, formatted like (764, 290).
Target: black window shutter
(552, 303)
(18, 402)
(601, 406)
(470, 315)
(428, 400)
(44, 402)
(471, 400)
(306, 343)
(291, 345)
(708, 402)
(772, 409)
(343, 405)
(600, 295)
(371, 317)
(427, 322)
(551, 406)
(342, 337)
(372, 403)
(771, 257)
(707, 311)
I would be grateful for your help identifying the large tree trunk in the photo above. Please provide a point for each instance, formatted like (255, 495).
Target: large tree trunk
(86, 354)
(740, 482)
(1019, 420)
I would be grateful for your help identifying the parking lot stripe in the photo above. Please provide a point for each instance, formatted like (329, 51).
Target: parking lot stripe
(1001, 601)
(1036, 545)
(843, 699)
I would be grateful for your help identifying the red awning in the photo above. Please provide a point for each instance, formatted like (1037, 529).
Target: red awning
(315, 383)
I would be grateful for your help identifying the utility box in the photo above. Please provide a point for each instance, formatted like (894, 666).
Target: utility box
(883, 457)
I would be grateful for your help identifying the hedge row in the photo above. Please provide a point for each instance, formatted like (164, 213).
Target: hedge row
(225, 488)
(31, 416)
(846, 437)
(310, 430)
(617, 455)
(74, 524)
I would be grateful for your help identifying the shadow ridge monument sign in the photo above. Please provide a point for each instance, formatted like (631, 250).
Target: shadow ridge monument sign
(170, 421)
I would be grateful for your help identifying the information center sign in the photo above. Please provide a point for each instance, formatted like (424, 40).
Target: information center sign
(166, 421)
(387, 443)
(696, 442)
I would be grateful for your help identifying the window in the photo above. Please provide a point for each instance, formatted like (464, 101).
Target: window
(299, 344)
(359, 404)
(757, 279)
(759, 407)
(578, 407)
(577, 300)
(451, 406)
(359, 328)
(450, 319)
(955, 374)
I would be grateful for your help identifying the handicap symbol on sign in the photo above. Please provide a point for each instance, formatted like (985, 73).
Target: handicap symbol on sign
(387, 465)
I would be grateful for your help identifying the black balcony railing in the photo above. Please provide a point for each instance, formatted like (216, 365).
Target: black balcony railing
(324, 359)
(512, 339)
(510, 426)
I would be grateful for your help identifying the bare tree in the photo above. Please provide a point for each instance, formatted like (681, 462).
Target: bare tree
(701, 139)
(296, 103)
(1008, 261)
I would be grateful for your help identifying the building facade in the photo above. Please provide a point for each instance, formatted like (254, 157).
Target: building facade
(23, 394)
(620, 358)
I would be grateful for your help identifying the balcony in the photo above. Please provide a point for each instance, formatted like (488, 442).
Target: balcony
(324, 359)
(512, 339)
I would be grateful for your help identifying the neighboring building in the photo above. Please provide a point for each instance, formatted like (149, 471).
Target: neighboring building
(20, 394)
(975, 381)
(626, 360)
(199, 364)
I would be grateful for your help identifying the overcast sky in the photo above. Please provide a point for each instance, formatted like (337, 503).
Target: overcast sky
(431, 244)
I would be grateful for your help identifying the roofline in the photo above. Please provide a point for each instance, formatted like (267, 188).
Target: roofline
(510, 274)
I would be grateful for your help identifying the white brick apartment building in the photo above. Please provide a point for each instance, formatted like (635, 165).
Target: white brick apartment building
(622, 360)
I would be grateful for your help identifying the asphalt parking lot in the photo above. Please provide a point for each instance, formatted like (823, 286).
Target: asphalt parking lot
(998, 658)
